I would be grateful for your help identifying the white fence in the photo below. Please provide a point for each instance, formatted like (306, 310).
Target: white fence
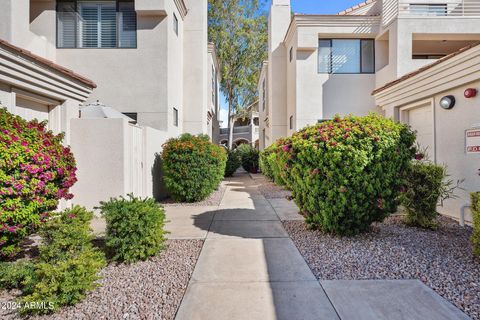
(114, 158)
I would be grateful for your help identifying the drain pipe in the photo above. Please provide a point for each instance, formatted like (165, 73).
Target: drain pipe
(462, 214)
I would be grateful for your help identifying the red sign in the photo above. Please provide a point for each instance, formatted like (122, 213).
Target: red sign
(472, 139)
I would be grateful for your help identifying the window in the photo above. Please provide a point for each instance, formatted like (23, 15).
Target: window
(427, 56)
(214, 86)
(132, 115)
(430, 9)
(291, 54)
(175, 117)
(346, 56)
(175, 24)
(264, 95)
(96, 24)
(291, 122)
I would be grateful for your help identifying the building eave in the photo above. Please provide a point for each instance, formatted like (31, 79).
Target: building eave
(181, 7)
(321, 20)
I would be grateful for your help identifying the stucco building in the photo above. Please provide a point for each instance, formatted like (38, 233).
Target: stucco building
(322, 65)
(414, 61)
(149, 60)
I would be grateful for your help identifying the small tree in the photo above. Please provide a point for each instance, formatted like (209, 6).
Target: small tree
(239, 32)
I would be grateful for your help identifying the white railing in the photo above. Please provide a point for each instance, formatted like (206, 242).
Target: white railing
(445, 8)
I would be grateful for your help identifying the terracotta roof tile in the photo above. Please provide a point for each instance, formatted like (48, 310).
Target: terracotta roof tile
(355, 7)
(29, 55)
(424, 68)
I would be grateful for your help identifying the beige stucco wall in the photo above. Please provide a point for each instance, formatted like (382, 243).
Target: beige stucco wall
(124, 156)
(150, 79)
(451, 77)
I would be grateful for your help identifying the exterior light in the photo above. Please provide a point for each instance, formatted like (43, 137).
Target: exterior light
(470, 93)
(447, 102)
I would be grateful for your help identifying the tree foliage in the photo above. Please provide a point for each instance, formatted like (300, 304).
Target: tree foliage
(239, 30)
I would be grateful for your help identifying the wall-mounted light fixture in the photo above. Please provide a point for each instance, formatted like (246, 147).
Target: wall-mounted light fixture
(470, 93)
(447, 102)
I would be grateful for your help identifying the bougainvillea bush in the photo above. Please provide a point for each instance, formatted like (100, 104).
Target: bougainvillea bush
(36, 171)
(345, 173)
(193, 167)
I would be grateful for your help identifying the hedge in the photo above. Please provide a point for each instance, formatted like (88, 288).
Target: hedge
(345, 173)
(193, 167)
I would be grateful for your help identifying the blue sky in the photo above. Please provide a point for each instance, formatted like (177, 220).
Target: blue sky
(303, 6)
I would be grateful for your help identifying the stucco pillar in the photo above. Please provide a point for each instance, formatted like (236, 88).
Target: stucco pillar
(279, 21)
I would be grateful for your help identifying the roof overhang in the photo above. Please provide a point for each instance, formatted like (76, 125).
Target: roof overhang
(363, 23)
(26, 71)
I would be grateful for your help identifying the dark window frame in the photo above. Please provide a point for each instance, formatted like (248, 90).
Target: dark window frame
(175, 23)
(291, 122)
(330, 71)
(175, 117)
(117, 46)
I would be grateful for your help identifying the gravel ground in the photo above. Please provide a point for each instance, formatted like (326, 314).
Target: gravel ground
(441, 259)
(151, 289)
(213, 200)
(271, 191)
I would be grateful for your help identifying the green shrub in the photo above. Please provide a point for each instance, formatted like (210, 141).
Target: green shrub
(250, 157)
(233, 162)
(134, 228)
(193, 167)
(264, 161)
(345, 173)
(425, 187)
(68, 264)
(36, 171)
(476, 223)
(14, 275)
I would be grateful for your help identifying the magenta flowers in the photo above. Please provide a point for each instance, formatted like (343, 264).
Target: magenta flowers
(36, 171)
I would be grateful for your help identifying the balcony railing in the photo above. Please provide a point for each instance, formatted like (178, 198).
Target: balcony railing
(242, 129)
(434, 9)
(456, 8)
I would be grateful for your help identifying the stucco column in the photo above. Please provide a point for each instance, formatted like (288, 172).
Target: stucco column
(279, 21)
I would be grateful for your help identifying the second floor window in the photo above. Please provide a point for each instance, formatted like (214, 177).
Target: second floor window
(346, 56)
(96, 24)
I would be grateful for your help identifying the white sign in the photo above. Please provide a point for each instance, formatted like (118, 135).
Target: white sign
(472, 140)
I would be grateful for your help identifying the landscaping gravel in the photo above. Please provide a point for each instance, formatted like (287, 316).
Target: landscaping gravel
(213, 200)
(442, 259)
(151, 289)
(271, 191)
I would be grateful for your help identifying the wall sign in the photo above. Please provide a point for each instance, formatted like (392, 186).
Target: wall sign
(472, 140)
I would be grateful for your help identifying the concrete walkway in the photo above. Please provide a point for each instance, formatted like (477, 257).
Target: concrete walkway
(250, 269)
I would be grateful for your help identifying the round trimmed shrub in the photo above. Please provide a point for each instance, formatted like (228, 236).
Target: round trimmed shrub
(250, 157)
(134, 228)
(36, 171)
(346, 173)
(233, 162)
(193, 167)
